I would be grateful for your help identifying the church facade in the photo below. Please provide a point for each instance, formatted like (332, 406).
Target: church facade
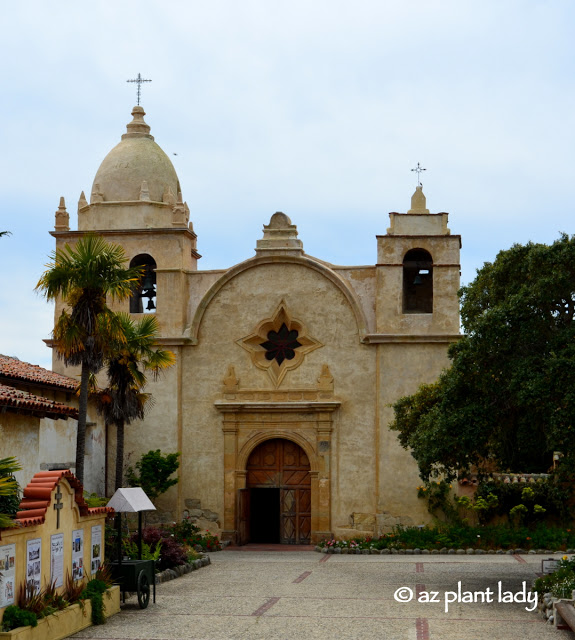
(286, 364)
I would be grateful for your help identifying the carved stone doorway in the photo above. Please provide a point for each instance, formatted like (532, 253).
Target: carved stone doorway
(279, 481)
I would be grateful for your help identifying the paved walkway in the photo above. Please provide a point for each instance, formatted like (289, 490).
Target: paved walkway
(287, 595)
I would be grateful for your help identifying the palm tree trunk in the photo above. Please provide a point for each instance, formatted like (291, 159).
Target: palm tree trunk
(119, 454)
(82, 414)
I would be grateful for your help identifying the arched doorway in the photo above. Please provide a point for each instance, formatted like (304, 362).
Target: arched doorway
(278, 484)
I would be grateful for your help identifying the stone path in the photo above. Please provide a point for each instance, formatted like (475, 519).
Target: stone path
(285, 595)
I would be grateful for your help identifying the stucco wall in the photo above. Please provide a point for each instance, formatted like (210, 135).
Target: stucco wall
(19, 437)
(402, 368)
(41, 444)
(240, 305)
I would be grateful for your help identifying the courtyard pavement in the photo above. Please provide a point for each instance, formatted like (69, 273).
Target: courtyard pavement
(255, 593)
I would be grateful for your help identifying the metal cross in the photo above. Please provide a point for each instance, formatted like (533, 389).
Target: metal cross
(418, 170)
(59, 505)
(139, 80)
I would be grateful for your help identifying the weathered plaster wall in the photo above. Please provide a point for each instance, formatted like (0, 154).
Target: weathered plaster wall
(158, 430)
(240, 305)
(402, 368)
(19, 437)
(362, 281)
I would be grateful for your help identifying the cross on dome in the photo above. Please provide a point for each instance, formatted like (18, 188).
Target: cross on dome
(139, 80)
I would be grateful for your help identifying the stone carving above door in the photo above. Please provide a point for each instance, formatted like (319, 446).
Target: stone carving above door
(279, 344)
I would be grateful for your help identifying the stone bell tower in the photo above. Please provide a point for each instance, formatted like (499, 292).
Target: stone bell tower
(418, 271)
(417, 317)
(136, 201)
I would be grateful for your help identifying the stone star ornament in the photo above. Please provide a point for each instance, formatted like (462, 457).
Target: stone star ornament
(279, 344)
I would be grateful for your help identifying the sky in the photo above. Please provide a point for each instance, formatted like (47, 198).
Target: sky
(316, 108)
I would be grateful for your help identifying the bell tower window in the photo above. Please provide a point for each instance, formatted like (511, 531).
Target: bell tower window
(417, 282)
(143, 299)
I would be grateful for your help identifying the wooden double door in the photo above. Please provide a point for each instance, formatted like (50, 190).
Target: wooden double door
(276, 504)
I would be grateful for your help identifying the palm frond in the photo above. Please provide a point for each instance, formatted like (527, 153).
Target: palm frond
(9, 466)
(8, 486)
(91, 264)
(6, 522)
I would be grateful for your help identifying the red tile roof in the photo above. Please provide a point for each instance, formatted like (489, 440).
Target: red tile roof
(38, 494)
(29, 403)
(15, 369)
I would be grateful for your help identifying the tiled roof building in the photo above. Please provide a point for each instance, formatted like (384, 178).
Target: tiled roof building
(17, 370)
(29, 403)
(38, 423)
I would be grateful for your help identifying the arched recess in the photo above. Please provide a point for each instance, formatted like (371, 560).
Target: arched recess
(307, 424)
(417, 282)
(246, 450)
(147, 287)
(360, 318)
(278, 479)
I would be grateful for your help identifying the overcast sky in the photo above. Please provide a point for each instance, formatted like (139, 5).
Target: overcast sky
(311, 107)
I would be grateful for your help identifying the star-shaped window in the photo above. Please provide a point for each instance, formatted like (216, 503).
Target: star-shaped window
(280, 344)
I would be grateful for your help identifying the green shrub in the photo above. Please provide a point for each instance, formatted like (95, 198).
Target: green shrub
(463, 537)
(131, 550)
(560, 583)
(153, 472)
(94, 591)
(552, 496)
(94, 500)
(15, 617)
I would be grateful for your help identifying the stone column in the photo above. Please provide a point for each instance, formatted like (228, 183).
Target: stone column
(321, 524)
(230, 429)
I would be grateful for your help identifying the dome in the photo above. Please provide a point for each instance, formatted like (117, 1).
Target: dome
(136, 159)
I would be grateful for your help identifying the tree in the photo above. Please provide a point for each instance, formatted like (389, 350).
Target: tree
(508, 399)
(5, 233)
(154, 470)
(123, 400)
(8, 490)
(83, 276)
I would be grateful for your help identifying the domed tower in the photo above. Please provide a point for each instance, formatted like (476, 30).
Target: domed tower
(136, 202)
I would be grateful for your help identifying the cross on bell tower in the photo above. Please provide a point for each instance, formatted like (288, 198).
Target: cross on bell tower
(417, 170)
(139, 80)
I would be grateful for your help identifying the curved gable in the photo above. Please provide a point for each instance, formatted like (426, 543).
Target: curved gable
(38, 497)
(305, 261)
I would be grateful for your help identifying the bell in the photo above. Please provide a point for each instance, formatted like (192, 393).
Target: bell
(418, 280)
(151, 305)
(148, 281)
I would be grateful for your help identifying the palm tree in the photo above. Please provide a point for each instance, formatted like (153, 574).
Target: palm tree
(8, 486)
(123, 400)
(5, 233)
(83, 276)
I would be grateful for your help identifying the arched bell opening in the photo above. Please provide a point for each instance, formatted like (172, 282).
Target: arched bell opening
(417, 282)
(143, 300)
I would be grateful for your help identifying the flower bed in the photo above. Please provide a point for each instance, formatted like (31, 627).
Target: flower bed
(444, 538)
(187, 533)
(66, 622)
(556, 586)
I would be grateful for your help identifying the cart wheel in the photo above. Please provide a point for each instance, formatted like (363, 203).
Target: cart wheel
(143, 588)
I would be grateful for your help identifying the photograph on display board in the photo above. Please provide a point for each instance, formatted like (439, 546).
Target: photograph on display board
(57, 559)
(96, 548)
(7, 574)
(34, 564)
(77, 554)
